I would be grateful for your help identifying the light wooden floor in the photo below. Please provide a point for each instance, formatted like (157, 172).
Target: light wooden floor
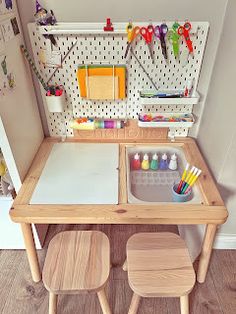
(19, 295)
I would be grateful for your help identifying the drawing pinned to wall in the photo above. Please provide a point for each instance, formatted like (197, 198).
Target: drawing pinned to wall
(9, 4)
(7, 79)
(7, 30)
(4, 65)
(6, 6)
(3, 77)
(11, 80)
(2, 43)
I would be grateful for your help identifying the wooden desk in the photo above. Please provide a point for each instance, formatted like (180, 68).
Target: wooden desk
(211, 211)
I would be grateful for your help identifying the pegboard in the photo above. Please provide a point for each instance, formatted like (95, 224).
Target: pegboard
(108, 48)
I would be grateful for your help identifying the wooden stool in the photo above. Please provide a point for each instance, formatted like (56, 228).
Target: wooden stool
(77, 262)
(159, 265)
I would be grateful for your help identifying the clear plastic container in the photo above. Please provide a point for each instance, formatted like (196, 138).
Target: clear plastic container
(155, 186)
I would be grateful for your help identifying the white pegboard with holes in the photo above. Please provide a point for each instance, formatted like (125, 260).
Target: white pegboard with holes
(108, 48)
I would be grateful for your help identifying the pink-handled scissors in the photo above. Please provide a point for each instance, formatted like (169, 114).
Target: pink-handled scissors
(184, 30)
(147, 33)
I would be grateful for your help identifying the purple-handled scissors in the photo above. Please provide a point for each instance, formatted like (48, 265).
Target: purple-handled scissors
(160, 32)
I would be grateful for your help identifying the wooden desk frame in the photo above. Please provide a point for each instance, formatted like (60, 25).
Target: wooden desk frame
(211, 212)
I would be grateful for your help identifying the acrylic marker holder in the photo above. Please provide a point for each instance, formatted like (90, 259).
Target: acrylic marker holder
(56, 103)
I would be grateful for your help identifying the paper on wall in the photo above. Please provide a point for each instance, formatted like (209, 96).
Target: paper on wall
(7, 30)
(2, 43)
(6, 6)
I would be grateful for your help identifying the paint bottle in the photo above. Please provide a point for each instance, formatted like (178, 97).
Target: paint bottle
(173, 162)
(154, 162)
(145, 162)
(164, 162)
(136, 163)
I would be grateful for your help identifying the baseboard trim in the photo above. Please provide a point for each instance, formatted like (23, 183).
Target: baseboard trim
(225, 241)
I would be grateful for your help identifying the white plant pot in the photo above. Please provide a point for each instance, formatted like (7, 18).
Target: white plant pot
(56, 103)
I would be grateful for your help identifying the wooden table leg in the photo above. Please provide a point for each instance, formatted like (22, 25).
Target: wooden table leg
(206, 252)
(31, 251)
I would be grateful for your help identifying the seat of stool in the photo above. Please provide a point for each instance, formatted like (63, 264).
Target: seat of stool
(159, 265)
(76, 262)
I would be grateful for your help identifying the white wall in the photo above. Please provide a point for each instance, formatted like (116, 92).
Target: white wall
(217, 134)
(19, 110)
(26, 10)
(123, 10)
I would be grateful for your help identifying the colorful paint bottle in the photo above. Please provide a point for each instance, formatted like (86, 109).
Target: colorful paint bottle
(145, 162)
(136, 163)
(154, 162)
(173, 162)
(164, 162)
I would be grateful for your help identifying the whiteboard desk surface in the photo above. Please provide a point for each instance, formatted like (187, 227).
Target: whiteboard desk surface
(79, 173)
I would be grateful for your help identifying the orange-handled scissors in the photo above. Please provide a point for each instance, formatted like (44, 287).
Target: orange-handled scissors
(147, 34)
(132, 33)
(184, 30)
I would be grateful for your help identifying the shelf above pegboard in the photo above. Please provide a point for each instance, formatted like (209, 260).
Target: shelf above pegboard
(93, 28)
(80, 28)
(193, 100)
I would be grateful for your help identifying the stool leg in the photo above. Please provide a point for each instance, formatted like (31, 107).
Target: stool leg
(134, 304)
(184, 304)
(52, 303)
(125, 266)
(103, 302)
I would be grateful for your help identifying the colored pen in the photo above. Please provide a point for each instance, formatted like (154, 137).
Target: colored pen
(187, 179)
(190, 179)
(193, 181)
(169, 95)
(183, 178)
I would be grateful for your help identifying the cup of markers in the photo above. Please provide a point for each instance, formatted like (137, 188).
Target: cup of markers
(182, 192)
(55, 98)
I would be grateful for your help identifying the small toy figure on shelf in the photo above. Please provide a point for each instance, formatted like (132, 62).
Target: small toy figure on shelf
(43, 17)
(145, 162)
(173, 162)
(154, 162)
(164, 162)
(135, 163)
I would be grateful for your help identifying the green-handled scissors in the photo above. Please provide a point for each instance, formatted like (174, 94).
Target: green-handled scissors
(173, 37)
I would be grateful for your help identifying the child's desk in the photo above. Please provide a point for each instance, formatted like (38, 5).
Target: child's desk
(210, 212)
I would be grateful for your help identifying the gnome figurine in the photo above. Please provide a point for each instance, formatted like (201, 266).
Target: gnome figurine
(43, 17)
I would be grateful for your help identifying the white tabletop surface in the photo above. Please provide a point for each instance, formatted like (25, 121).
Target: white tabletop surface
(79, 173)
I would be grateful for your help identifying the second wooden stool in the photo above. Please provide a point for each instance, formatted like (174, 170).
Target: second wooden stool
(159, 265)
(77, 262)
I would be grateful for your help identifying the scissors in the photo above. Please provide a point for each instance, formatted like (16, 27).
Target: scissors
(147, 33)
(173, 38)
(160, 32)
(132, 33)
(184, 30)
